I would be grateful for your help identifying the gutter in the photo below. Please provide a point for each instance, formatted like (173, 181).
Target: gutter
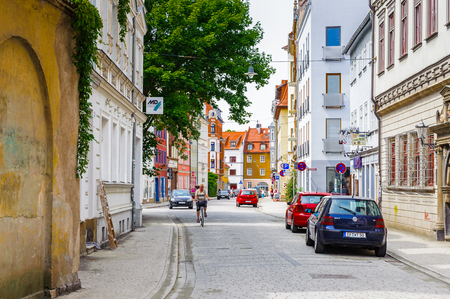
(379, 200)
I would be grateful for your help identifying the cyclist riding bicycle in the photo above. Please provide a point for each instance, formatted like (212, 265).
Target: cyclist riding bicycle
(200, 197)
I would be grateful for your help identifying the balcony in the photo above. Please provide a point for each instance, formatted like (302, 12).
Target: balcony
(333, 100)
(332, 146)
(332, 53)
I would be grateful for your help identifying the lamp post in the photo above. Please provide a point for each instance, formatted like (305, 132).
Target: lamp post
(422, 133)
(251, 72)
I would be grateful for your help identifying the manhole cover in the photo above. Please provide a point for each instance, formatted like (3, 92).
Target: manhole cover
(331, 276)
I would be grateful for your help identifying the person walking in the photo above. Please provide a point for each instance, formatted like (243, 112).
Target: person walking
(200, 197)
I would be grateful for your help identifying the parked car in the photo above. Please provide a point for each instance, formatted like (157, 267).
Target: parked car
(180, 198)
(301, 207)
(258, 191)
(223, 194)
(235, 192)
(349, 221)
(247, 197)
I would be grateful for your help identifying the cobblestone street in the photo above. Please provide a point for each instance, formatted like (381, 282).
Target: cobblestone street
(244, 253)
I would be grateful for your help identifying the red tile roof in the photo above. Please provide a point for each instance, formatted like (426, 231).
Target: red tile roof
(257, 139)
(233, 136)
(281, 95)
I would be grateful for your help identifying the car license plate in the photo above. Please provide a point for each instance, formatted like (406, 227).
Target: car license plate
(248, 201)
(181, 202)
(354, 235)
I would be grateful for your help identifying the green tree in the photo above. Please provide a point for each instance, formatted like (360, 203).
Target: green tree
(212, 184)
(291, 189)
(198, 51)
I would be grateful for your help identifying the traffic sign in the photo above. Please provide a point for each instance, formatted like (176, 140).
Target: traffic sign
(277, 177)
(284, 185)
(301, 166)
(282, 173)
(340, 168)
(285, 165)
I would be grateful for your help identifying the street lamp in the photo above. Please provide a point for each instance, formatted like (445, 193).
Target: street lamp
(251, 72)
(422, 133)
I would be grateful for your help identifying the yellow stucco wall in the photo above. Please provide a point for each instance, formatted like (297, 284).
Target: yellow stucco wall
(256, 166)
(282, 137)
(39, 194)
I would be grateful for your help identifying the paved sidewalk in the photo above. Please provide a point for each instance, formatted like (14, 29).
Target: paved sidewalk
(420, 252)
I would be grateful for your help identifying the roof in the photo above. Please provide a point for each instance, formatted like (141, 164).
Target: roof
(281, 95)
(358, 31)
(233, 136)
(254, 138)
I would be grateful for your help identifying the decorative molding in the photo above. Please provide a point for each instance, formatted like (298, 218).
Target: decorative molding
(430, 80)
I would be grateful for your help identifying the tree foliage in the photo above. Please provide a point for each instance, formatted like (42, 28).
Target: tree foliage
(291, 189)
(198, 51)
(212, 184)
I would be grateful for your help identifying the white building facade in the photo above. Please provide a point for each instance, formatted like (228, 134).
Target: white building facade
(363, 121)
(117, 102)
(323, 81)
(234, 157)
(203, 153)
(411, 84)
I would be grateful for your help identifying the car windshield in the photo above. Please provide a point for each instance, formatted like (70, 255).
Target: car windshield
(181, 193)
(311, 198)
(248, 192)
(224, 192)
(352, 206)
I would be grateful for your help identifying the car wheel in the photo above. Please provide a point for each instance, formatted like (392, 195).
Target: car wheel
(191, 207)
(381, 251)
(308, 240)
(287, 225)
(294, 228)
(255, 206)
(318, 246)
(170, 206)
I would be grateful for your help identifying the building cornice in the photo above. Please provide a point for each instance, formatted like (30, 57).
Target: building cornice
(428, 81)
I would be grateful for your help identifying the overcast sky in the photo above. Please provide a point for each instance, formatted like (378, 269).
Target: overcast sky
(276, 20)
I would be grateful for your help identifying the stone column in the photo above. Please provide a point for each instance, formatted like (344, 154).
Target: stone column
(438, 226)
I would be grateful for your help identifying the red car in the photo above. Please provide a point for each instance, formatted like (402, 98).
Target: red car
(300, 209)
(247, 197)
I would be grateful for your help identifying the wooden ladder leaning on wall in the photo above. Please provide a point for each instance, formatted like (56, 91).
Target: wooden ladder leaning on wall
(107, 215)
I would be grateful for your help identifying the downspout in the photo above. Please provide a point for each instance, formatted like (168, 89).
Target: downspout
(133, 147)
(374, 102)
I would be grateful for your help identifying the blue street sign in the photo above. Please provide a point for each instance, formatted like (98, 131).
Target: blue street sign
(277, 177)
(285, 165)
(340, 168)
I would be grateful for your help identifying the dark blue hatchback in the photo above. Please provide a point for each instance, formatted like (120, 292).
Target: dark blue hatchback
(347, 221)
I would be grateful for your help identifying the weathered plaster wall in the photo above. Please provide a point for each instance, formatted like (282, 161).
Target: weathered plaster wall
(39, 195)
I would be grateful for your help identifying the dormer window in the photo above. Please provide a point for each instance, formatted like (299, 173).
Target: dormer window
(250, 147)
(263, 147)
(233, 143)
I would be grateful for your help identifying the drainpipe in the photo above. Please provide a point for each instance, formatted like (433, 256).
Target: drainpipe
(373, 101)
(133, 148)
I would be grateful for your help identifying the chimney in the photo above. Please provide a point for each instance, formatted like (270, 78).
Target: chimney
(258, 127)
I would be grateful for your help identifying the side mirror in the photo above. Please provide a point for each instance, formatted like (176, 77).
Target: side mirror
(288, 203)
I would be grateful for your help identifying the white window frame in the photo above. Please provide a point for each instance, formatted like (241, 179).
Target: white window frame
(249, 158)
(249, 172)
(262, 171)
(250, 147)
(249, 185)
(262, 159)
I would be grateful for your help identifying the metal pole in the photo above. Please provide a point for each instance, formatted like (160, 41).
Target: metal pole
(341, 181)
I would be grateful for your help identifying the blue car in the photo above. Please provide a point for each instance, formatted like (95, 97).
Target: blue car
(347, 221)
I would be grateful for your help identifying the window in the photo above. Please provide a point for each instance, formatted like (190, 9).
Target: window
(417, 22)
(432, 17)
(262, 172)
(213, 128)
(232, 171)
(381, 49)
(333, 83)
(416, 167)
(249, 159)
(212, 163)
(232, 159)
(333, 128)
(404, 28)
(249, 171)
(391, 40)
(429, 152)
(213, 147)
(249, 185)
(366, 118)
(250, 147)
(333, 36)
(263, 147)
(233, 143)
(262, 159)
(392, 162)
(404, 162)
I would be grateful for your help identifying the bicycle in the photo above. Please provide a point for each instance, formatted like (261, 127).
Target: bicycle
(202, 216)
